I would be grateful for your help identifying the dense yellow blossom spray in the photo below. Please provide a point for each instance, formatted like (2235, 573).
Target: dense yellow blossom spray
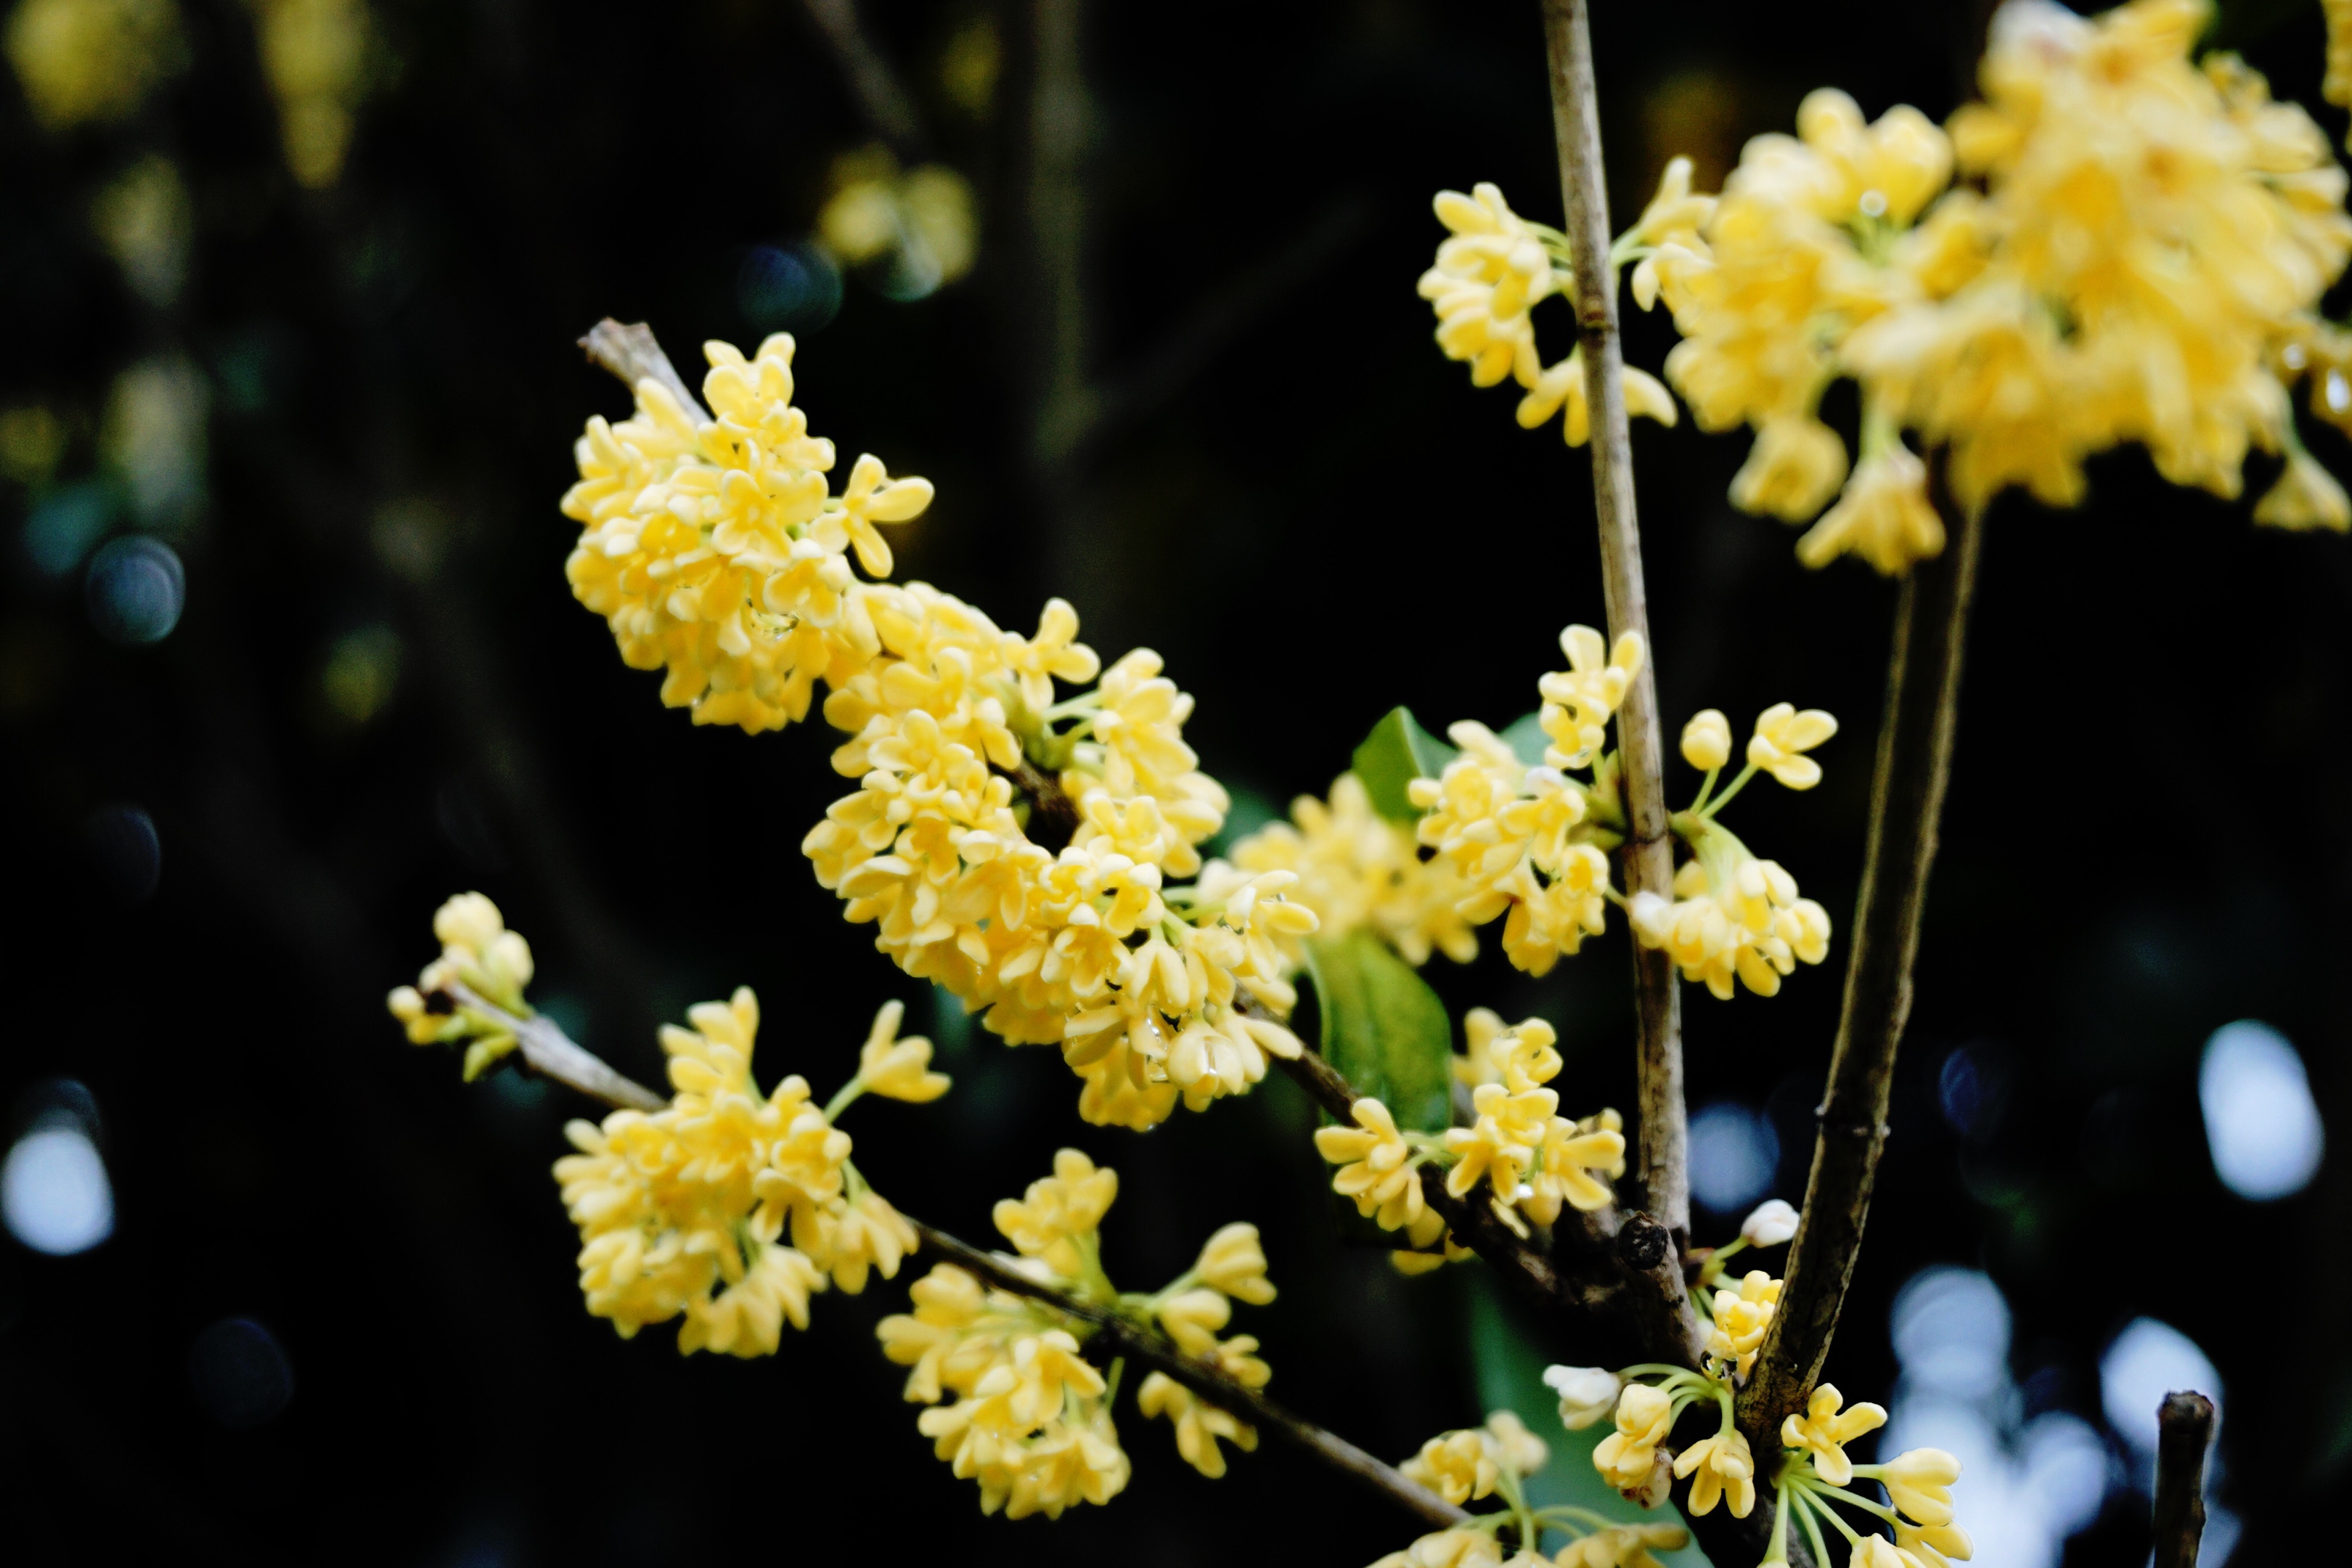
(2118, 243)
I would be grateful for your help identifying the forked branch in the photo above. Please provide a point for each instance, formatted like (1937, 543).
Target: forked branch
(1915, 759)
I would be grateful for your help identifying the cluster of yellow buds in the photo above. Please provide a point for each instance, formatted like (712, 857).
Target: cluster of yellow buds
(1495, 1460)
(1356, 867)
(1733, 916)
(684, 1210)
(1489, 274)
(714, 549)
(2027, 325)
(1533, 1160)
(479, 955)
(1031, 1417)
(1531, 842)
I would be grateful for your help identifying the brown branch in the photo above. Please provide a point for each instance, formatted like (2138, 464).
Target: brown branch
(881, 97)
(631, 354)
(553, 1053)
(2184, 1429)
(1662, 1159)
(1914, 757)
(1204, 1377)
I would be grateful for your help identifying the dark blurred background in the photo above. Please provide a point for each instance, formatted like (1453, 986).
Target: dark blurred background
(287, 657)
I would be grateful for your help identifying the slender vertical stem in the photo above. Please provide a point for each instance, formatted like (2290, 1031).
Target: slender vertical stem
(2184, 1429)
(1915, 759)
(1663, 1163)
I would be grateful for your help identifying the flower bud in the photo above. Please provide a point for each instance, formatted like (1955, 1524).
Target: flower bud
(1773, 1223)
(1587, 1394)
(1707, 740)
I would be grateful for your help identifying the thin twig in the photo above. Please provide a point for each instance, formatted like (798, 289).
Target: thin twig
(884, 100)
(1662, 1161)
(631, 354)
(553, 1053)
(2184, 1429)
(1914, 757)
(1204, 1378)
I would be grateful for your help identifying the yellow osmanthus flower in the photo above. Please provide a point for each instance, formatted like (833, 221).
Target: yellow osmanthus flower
(1356, 867)
(1057, 1219)
(1199, 1425)
(83, 60)
(1459, 1547)
(1378, 1170)
(1933, 1545)
(1626, 1457)
(897, 1068)
(1489, 274)
(1232, 1263)
(479, 953)
(1464, 1466)
(1623, 1546)
(1823, 1431)
(1885, 516)
(1529, 843)
(1919, 1483)
(684, 1210)
(1740, 1319)
(1723, 1467)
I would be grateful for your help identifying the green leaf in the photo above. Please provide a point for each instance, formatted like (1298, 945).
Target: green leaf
(1384, 1028)
(1526, 738)
(1396, 753)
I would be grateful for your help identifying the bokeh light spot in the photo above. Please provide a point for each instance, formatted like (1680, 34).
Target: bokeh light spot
(798, 288)
(1734, 1155)
(240, 1373)
(1950, 1328)
(2148, 1361)
(2260, 1118)
(135, 590)
(53, 1193)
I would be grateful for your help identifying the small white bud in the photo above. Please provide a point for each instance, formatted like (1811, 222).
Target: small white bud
(1773, 1223)
(1587, 1394)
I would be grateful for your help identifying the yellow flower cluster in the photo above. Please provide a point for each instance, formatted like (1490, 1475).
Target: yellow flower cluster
(1534, 1161)
(1738, 1319)
(315, 54)
(479, 953)
(82, 60)
(717, 551)
(1734, 917)
(2148, 247)
(1530, 842)
(1031, 1415)
(1031, 1421)
(1465, 1466)
(1356, 867)
(1489, 274)
(684, 1210)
